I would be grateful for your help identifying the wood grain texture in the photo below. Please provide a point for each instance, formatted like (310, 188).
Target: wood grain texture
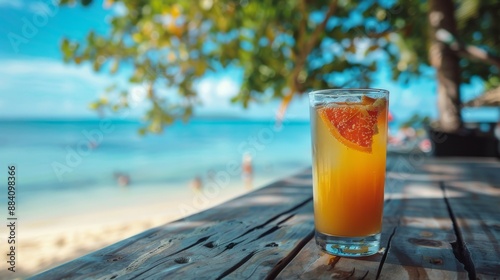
(474, 203)
(249, 237)
(311, 263)
(421, 245)
(417, 232)
(441, 221)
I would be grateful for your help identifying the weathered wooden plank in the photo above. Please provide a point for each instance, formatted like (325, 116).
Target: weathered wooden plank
(417, 233)
(311, 263)
(251, 236)
(256, 236)
(421, 245)
(473, 203)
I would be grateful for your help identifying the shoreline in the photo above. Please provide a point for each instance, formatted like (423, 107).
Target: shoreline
(88, 204)
(49, 242)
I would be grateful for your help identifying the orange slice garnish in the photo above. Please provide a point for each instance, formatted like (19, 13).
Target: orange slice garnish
(355, 124)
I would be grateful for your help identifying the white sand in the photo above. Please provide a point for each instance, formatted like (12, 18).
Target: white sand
(46, 243)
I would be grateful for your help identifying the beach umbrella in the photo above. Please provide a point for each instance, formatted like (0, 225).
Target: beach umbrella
(491, 98)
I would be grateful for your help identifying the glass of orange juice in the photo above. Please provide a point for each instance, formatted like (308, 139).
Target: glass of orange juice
(349, 136)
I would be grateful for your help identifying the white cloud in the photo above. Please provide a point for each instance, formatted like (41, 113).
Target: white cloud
(226, 88)
(47, 88)
(44, 87)
(217, 91)
(12, 4)
(46, 67)
(215, 94)
(31, 6)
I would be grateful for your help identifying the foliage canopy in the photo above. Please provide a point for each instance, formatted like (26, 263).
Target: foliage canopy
(283, 48)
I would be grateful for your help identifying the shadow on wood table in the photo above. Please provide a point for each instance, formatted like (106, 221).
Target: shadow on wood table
(441, 221)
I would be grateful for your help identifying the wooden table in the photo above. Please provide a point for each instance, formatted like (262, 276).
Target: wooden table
(441, 221)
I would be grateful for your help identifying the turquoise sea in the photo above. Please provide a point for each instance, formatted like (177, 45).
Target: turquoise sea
(71, 166)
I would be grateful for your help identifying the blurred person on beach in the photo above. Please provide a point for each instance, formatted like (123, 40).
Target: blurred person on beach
(123, 179)
(197, 184)
(93, 145)
(247, 170)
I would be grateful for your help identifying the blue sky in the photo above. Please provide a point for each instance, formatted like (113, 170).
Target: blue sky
(35, 83)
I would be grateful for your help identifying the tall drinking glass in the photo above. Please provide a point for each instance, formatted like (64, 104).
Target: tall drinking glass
(349, 137)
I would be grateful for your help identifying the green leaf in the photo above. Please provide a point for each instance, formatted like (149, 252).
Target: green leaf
(174, 44)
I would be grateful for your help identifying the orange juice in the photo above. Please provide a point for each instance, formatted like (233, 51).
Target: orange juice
(349, 156)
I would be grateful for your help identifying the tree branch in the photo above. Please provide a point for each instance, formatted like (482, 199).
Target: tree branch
(303, 21)
(481, 54)
(309, 45)
(301, 60)
(488, 98)
(473, 52)
(321, 27)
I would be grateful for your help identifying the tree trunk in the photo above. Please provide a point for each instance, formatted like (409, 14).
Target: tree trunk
(445, 61)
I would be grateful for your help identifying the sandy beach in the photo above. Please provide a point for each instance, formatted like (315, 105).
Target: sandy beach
(45, 243)
(61, 217)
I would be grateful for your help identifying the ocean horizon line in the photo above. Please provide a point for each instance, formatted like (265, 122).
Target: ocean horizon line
(203, 119)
